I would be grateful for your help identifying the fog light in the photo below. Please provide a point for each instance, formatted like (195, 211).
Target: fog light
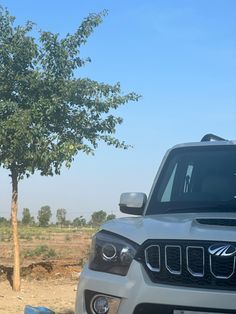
(100, 305)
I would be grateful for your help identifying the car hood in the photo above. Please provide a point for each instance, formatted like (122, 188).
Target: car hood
(174, 226)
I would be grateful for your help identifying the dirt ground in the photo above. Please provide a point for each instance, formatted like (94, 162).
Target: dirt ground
(48, 279)
(57, 295)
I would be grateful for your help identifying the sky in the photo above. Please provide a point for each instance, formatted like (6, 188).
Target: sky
(180, 55)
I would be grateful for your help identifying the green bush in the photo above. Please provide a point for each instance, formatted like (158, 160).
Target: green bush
(41, 250)
(50, 253)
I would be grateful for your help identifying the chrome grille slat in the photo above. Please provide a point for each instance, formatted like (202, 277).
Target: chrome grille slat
(178, 259)
(221, 276)
(149, 261)
(191, 271)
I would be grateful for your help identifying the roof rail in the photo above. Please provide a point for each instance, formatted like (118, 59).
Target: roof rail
(212, 137)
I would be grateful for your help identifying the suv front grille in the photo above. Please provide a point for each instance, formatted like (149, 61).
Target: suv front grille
(188, 263)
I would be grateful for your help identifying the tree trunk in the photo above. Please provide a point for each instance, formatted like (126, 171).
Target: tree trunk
(16, 246)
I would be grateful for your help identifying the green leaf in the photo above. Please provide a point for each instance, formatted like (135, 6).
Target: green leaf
(47, 115)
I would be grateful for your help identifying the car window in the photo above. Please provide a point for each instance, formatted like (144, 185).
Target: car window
(197, 175)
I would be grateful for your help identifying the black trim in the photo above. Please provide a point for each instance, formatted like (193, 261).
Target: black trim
(209, 137)
(227, 222)
(149, 308)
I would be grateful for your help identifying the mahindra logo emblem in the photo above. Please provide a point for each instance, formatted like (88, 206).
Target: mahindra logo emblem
(222, 249)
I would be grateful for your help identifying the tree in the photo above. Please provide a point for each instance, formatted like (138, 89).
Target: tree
(111, 216)
(32, 221)
(26, 217)
(47, 115)
(67, 223)
(44, 215)
(61, 216)
(98, 218)
(4, 221)
(79, 222)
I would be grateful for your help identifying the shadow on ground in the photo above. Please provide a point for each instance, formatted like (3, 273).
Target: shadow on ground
(8, 272)
(66, 312)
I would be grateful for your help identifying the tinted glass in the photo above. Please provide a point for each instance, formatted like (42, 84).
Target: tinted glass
(202, 178)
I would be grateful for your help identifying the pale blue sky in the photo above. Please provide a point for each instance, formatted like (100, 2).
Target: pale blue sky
(179, 55)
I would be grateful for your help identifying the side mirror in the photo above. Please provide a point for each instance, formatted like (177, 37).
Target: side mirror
(132, 203)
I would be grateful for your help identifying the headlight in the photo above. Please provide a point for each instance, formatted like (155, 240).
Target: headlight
(111, 253)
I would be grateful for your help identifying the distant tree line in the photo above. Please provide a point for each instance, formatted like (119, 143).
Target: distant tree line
(45, 214)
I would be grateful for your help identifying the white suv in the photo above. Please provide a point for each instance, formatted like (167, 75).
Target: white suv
(179, 255)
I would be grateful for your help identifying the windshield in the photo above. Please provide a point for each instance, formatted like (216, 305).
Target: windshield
(196, 179)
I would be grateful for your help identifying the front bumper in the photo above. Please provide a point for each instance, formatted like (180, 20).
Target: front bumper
(136, 288)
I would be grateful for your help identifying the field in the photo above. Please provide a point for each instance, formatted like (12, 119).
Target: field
(51, 261)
